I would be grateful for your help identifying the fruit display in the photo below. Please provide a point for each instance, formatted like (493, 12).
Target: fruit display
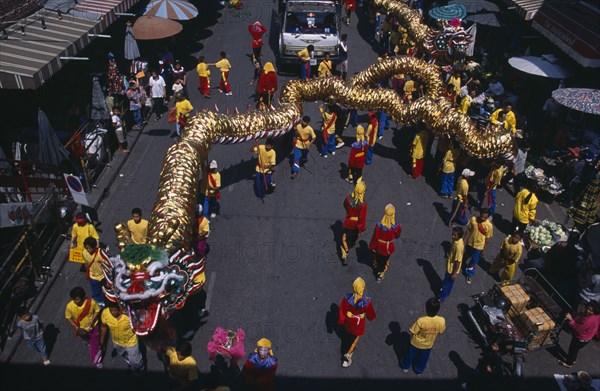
(546, 233)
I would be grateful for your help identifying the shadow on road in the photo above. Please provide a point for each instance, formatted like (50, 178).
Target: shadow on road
(435, 282)
(398, 340)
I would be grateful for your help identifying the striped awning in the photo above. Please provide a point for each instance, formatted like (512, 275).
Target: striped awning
(525, 8)
(28, 61)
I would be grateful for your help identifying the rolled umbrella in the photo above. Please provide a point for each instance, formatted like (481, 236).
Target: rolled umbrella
(473, 6)
(51, 150)
(544, 66)
(585, 100)
(171, 9)
(448, 12)
(152, 27)
(131, 47)
(99, 107)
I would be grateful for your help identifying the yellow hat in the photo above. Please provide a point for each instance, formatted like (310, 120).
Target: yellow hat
(359, 192)
(360, 133)
(358, 287)
(389, 217)
(264, 343)
(268, 67)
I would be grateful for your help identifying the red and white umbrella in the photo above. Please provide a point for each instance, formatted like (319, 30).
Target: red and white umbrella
(171, 9)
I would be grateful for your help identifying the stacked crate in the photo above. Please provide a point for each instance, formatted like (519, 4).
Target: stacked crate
(516, 296)
(540, 325)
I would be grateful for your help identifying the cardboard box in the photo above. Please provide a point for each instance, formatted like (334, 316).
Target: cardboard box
(540, 324)
(517, 298)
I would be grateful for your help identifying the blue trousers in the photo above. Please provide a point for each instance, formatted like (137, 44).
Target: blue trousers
(369, 157)
(259, 184)
(491, 199)
(447, 285)
(97, 293)
(299, 154)
(417, 358)
(39, 345)
(383, 123)
(475, 255)
(137, 116)
(305, 70)
(354, 118)
(447, 183)
(329, 146)
(210, 204)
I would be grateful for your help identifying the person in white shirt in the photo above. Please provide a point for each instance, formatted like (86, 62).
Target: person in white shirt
(158, 91)
(117, 124)
(495, 89)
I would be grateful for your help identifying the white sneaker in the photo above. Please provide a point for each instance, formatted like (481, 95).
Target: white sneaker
(99, 365)
(379, 138)
(46, 362)
(333, 153)
(325, 156)
(213, 215)
(340, 145)
(229, 93)
(404, 370)
(346, 363)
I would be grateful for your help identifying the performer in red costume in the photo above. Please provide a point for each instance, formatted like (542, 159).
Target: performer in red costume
(358, 154)
(382, 241)
(350, 6)
(353, 310)
(256, 30)
(259, 370)
(356, 218)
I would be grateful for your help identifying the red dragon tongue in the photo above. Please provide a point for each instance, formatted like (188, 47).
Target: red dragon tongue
(137, 282)
(144, 318)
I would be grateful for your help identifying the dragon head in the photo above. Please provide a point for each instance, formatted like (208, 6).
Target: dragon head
(148, 283)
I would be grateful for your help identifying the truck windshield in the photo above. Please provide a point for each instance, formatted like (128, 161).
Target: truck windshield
(310, 23)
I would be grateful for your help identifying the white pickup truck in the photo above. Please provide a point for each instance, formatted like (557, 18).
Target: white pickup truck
(309, 22)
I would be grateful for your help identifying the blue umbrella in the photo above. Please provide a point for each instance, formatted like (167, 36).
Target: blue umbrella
(586, 100)
(449, 12)
(51, 149)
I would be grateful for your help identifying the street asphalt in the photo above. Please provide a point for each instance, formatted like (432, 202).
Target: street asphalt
(273, 269)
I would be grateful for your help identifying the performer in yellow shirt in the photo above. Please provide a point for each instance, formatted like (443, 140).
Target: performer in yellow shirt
(325, 67)
(418, 152)
(329, 118)
(461, 201)
(82, 230)
(492, 182)
(305, 55)
(204, 75)
(200, 233)
(305, 135)
(267, 158)
(181, 366)
(409, 89)
(93, 257)
(183, 108)
(465, 103)
(448, 168)
(525, 209)
(138, 227)
(510, 120)
(453, 263)
(508, 257)
(210, 190)
(424, 332)
(479, 232)
(124, 340)
(224, 66)
(82, 313)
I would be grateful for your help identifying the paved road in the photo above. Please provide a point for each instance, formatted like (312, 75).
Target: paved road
(273, 268)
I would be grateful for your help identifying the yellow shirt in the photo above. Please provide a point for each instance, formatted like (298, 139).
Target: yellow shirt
(425, 330)
(266, 159)
(82, 233)
(455, 256)
(185, 370)
(476, 238)
(449, 161)
(324, 68)
(224, 65)
(496, 177)
(183, 107)
(326, 120)
(120, 329)
(465, 103)
(510, 121)
(207, 185)
(202, 69)
(409, 88)
(510, 253)
(419, 144)
(72, 311)
(371, 134)
(455, 81)
(462, 189)
(304, 54)
(304, 136)
(525, 213)
(203, 228)
(138, 231)
(93, 263)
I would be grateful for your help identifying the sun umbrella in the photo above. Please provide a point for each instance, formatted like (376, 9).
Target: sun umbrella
(51, 150)
(486, 19)
(448, 12)
(580, 99)
(131, 47)
(171, 9)
(544, 66)
(473, 6)
(152, 27)
(99, 107)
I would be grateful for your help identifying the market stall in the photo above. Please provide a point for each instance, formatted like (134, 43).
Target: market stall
(547, 187)
(544, 234)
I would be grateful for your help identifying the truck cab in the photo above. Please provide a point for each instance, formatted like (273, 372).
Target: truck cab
(309, 22)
